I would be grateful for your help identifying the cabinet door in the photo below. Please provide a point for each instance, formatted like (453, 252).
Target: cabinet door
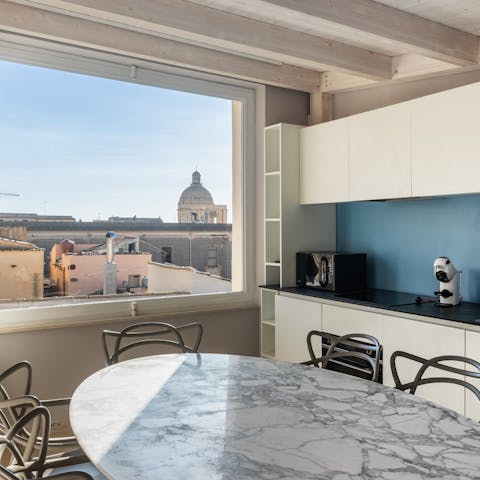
(341, 321)
(324, 163)
(446, 143)
(293, 320)
(472, 350)
(379, 153)
(425, 340)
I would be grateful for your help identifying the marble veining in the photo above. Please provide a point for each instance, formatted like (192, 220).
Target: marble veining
(212, 417)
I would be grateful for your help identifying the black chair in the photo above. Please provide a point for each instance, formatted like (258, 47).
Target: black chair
(29, 459)
(149, 333)
(67, 450)
(437, 363)
(356, 354)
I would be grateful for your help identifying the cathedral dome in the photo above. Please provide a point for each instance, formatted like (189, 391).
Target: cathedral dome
(195, 194)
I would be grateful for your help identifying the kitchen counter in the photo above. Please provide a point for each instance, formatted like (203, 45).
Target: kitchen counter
(403, 302)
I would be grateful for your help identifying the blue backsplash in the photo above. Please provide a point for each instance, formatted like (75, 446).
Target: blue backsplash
(403, 238)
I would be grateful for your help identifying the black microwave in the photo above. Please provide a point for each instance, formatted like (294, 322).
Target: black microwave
(337, 272)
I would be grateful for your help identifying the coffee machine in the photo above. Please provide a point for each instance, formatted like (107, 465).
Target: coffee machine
(449, 278)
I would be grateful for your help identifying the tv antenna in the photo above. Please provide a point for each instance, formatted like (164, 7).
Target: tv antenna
(6, 194)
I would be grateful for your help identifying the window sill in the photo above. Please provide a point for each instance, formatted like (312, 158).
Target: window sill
(42, 317)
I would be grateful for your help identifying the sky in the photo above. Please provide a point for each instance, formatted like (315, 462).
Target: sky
(93, 148)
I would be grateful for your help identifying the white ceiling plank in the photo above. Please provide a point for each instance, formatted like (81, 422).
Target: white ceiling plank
(219, 29)
(349, 20)
(24, 20)
(461, 14)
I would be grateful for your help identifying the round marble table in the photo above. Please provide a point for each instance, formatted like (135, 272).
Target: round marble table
(211, 417)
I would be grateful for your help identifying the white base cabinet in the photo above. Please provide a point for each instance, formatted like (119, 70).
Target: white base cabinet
(295, 317)
(342, 321)
(472, 350)
(425, 340)
(293, 320)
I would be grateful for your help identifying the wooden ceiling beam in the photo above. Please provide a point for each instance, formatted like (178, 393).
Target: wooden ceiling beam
(420, 35)
(215, 29)
(37, 23)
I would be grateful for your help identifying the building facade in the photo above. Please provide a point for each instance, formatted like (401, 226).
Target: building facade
(21, 270)
(205, 247)
(196, 204)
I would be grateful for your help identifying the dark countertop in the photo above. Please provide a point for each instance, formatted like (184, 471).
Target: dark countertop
(403, 302)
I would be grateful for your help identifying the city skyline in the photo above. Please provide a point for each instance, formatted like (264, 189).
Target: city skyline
(94, 148)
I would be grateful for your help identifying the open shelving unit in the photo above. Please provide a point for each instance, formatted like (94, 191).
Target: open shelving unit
(288, 226)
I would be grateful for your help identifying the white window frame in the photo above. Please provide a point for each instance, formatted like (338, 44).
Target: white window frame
(33, 315)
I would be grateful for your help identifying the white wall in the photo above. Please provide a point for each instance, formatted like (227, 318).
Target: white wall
(350, 103)
(171, 278)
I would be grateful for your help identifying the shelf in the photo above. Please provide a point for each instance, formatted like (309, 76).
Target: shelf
(273, 264)
(276, 172)
(272, 219)
(272, 274)
(272, 196)
(272, 150)
(270, 322)
(272, 243)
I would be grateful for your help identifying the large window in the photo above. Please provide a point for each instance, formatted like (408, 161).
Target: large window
(100, 171)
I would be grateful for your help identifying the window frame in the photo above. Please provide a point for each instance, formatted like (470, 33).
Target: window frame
(28, 315)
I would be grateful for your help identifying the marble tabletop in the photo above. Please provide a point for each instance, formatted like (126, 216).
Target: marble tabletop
(212, 417)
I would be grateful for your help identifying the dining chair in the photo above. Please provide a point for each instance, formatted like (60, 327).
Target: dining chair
(67, 450)
(356, 354)
(29, 460)
(436, 363)
(116, 344)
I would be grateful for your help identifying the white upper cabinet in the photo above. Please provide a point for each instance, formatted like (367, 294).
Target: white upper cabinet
(424, 147)
(446, 142)
(379, 154)
(324, 163)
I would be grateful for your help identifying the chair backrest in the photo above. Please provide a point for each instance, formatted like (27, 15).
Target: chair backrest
(357, 354)
(24, 445)
(20, 374)
(436, 363)
(21, 459)
(149, 333)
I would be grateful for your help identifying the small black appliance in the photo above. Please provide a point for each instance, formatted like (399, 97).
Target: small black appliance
(334, 271)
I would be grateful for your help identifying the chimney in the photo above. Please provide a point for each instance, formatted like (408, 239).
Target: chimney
(110, 279)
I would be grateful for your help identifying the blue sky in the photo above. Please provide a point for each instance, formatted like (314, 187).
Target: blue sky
(91, 147)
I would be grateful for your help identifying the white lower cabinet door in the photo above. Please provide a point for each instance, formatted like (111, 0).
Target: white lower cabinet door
(425, 340)
(472, 350)
(293, 320)
(342, 321)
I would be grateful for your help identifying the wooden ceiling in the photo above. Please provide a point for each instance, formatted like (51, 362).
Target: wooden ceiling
(301, 44)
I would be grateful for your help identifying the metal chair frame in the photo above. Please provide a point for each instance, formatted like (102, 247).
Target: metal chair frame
(15, 414)
(157, 329)
(337, 350)
(28, 460)
(435, 362)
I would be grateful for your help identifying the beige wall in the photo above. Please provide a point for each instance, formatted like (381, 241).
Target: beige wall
(89, 271)
(63, 357)
(21, 274)
(287, 106)
(170, 278)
